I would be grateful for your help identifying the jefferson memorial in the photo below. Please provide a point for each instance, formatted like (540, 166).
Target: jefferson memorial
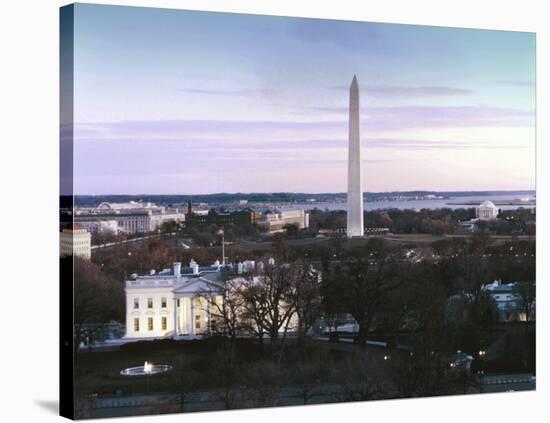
(487, 211)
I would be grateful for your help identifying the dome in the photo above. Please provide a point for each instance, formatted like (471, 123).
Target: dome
(487, 204)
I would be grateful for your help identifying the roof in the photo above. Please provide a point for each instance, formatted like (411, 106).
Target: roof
(74, 227)
(487, 204)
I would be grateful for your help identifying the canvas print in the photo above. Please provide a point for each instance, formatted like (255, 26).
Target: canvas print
(264, 211)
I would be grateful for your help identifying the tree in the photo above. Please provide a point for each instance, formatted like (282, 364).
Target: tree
(421, 374)
(474, 271)
(98, 298)
(305, 297)
(307, 376)
(361, 381)
(185, 378)
(367, 280)
(228, 377)
(526, 295)
(226, 315)
(267, 302)
(169, 226)
(291, 229)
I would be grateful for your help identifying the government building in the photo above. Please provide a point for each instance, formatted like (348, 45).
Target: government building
(487, 211)
(177, 302)
(131, 218)
(75, 240)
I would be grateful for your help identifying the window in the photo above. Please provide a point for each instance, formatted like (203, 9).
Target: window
(178, 302)
(163, 302)
(136, 325)
(197, 321)
(150, 323)
(136, 302)
(149, 303)
(163, 323)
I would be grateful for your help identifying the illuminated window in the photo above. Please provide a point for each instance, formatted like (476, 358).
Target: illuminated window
(163, 323)
(149, 303)
(149, 323)
(163, 302)
(136, 325)
(197, 321)
(136, 302)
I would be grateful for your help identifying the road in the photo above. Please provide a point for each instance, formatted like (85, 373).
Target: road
(220, 399)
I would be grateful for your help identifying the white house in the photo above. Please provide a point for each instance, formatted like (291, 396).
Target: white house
(182, 302)
(172, 303)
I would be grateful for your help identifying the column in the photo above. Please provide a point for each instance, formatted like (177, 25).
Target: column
(192, 315)
(175, 316)
(209, 322)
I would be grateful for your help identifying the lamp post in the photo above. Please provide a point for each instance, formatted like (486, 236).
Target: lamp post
(222, 233)
(481, 371)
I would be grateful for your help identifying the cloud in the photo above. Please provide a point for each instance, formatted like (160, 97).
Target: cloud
(409, 117)
(374, 118)
(355, 36)
(205, 129)
(230, 93)
(516, 83)
(394, 91)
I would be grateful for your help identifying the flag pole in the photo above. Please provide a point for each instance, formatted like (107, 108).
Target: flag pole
(223, 248)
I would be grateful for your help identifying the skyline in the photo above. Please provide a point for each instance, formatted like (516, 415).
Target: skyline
(259, 104)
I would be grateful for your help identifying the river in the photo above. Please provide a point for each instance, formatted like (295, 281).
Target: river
(420, 204)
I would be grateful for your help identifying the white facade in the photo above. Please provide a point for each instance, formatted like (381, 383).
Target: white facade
(181, 304)
(275, 222)
(130, 205)
(101, 226)
(508, 302)
(130, 220)
(487, 211)
(171, 303)
(355, 225)
(75, 240)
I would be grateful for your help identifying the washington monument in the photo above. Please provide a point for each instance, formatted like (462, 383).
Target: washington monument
(355, 188)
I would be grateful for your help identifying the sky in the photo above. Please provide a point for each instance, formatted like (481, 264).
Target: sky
(181, 102)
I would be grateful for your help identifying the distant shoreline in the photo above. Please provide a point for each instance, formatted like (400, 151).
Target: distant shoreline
(518, 202)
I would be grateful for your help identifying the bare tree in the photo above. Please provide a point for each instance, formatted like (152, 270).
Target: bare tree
(263, 380)
(526, 294)
(307, 377)
(228, 378)
(268, 307)
(224, 314)
(305, 297)
(361, 382)
(97, 300)
(366, 282)
(185, 379)
(475, 272)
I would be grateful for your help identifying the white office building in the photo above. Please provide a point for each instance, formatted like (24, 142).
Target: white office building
(75, 240)
(276, 221)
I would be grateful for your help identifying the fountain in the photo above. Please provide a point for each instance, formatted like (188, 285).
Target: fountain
(148, 369)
